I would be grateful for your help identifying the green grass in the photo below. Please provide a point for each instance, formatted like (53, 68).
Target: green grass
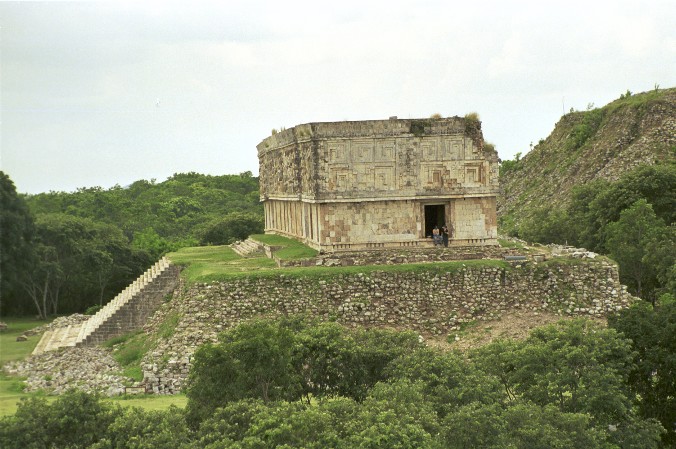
(208, 261)
(329, 272)
(11, 387)
(10, 349)
(168, 327)
(637, 100)
(510, 244)
(9, 402)
(291, 249)
(151, 401)
(128, 350)
(221, 263)
(11, 392)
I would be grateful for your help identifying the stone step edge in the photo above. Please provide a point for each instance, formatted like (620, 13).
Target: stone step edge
(58, 337)
(90, 328)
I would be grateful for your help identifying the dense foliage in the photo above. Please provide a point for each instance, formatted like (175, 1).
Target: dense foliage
(652, 377)
(292, 383)
(65, 252)
(632, 220)
(16, 239)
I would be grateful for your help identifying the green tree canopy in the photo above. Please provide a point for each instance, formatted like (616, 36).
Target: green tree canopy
(17, 249)
(632, 239)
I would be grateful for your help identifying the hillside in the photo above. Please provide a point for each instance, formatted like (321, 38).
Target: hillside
(601, 143)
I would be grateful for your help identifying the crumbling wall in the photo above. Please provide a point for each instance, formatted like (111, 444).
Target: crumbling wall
(430, 301)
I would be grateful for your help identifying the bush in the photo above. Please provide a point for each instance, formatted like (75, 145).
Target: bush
(93, 309)
(586, 129)
(232, 227)
(74, 420)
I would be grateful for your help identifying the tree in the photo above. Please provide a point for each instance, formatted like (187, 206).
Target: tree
(324, 357)
(77, 263)
(38, 280)
(579, 368)
(394, 415)
(449, 381)
(136, 428)
(587, 217)
(253, 360)
(232, 227)
(519, 426)
(74, 420)
(546, 226)
(652, 379)
(229, 423)
(629, 240)
(16, 245)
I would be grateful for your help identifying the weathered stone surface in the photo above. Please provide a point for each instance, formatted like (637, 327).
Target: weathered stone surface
(62, 321)
(429, 301)
(89, 369)
(401, 255)
(380, 183)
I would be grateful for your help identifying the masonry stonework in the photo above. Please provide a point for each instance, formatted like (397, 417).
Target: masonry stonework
(340, 186)
(431, 301)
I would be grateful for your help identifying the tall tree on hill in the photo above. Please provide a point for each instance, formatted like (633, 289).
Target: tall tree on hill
(16, 243)
(629, 242)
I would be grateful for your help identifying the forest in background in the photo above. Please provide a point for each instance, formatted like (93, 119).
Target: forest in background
(70, 252)
(66, 252)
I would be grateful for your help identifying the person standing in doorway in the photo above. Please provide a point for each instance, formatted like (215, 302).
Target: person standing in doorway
(444, 235)
(436, 236)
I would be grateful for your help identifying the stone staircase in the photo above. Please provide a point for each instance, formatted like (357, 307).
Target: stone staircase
(247, 247)
(127, 312)
(58, 338)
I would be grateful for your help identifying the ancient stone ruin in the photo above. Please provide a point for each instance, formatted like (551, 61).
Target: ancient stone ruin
(373, 184)
(127, 312)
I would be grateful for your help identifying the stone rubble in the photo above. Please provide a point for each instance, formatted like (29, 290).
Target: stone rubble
(400, 256)
(90, 369)
(62, 321)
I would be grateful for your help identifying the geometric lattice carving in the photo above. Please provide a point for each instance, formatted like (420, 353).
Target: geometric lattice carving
(362, 150)
(384, 178)
(337, 152)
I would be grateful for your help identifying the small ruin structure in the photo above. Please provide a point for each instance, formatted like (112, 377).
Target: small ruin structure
(372, 184)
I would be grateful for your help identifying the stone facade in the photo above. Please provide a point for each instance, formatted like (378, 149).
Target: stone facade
(431, 301)
(381, 183)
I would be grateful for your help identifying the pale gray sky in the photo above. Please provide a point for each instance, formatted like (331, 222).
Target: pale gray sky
(104, 93)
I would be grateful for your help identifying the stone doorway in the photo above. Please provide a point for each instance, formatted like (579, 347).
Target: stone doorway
(435, 215)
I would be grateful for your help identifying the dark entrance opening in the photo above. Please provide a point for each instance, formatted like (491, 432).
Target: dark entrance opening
(435, 215)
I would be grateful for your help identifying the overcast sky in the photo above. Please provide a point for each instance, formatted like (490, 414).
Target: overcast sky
(105, 93)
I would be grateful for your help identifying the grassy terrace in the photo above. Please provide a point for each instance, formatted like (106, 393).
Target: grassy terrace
(291, 249)
(216, 263)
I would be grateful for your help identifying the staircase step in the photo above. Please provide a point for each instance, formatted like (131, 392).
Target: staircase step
(118, 314)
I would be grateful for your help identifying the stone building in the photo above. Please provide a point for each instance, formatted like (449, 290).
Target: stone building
(380, 183)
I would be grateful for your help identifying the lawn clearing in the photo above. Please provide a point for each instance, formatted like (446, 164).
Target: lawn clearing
(11, 388)
(10, 349)
(291, 249)
(209, 261)
(152, 401)
(221, 263)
